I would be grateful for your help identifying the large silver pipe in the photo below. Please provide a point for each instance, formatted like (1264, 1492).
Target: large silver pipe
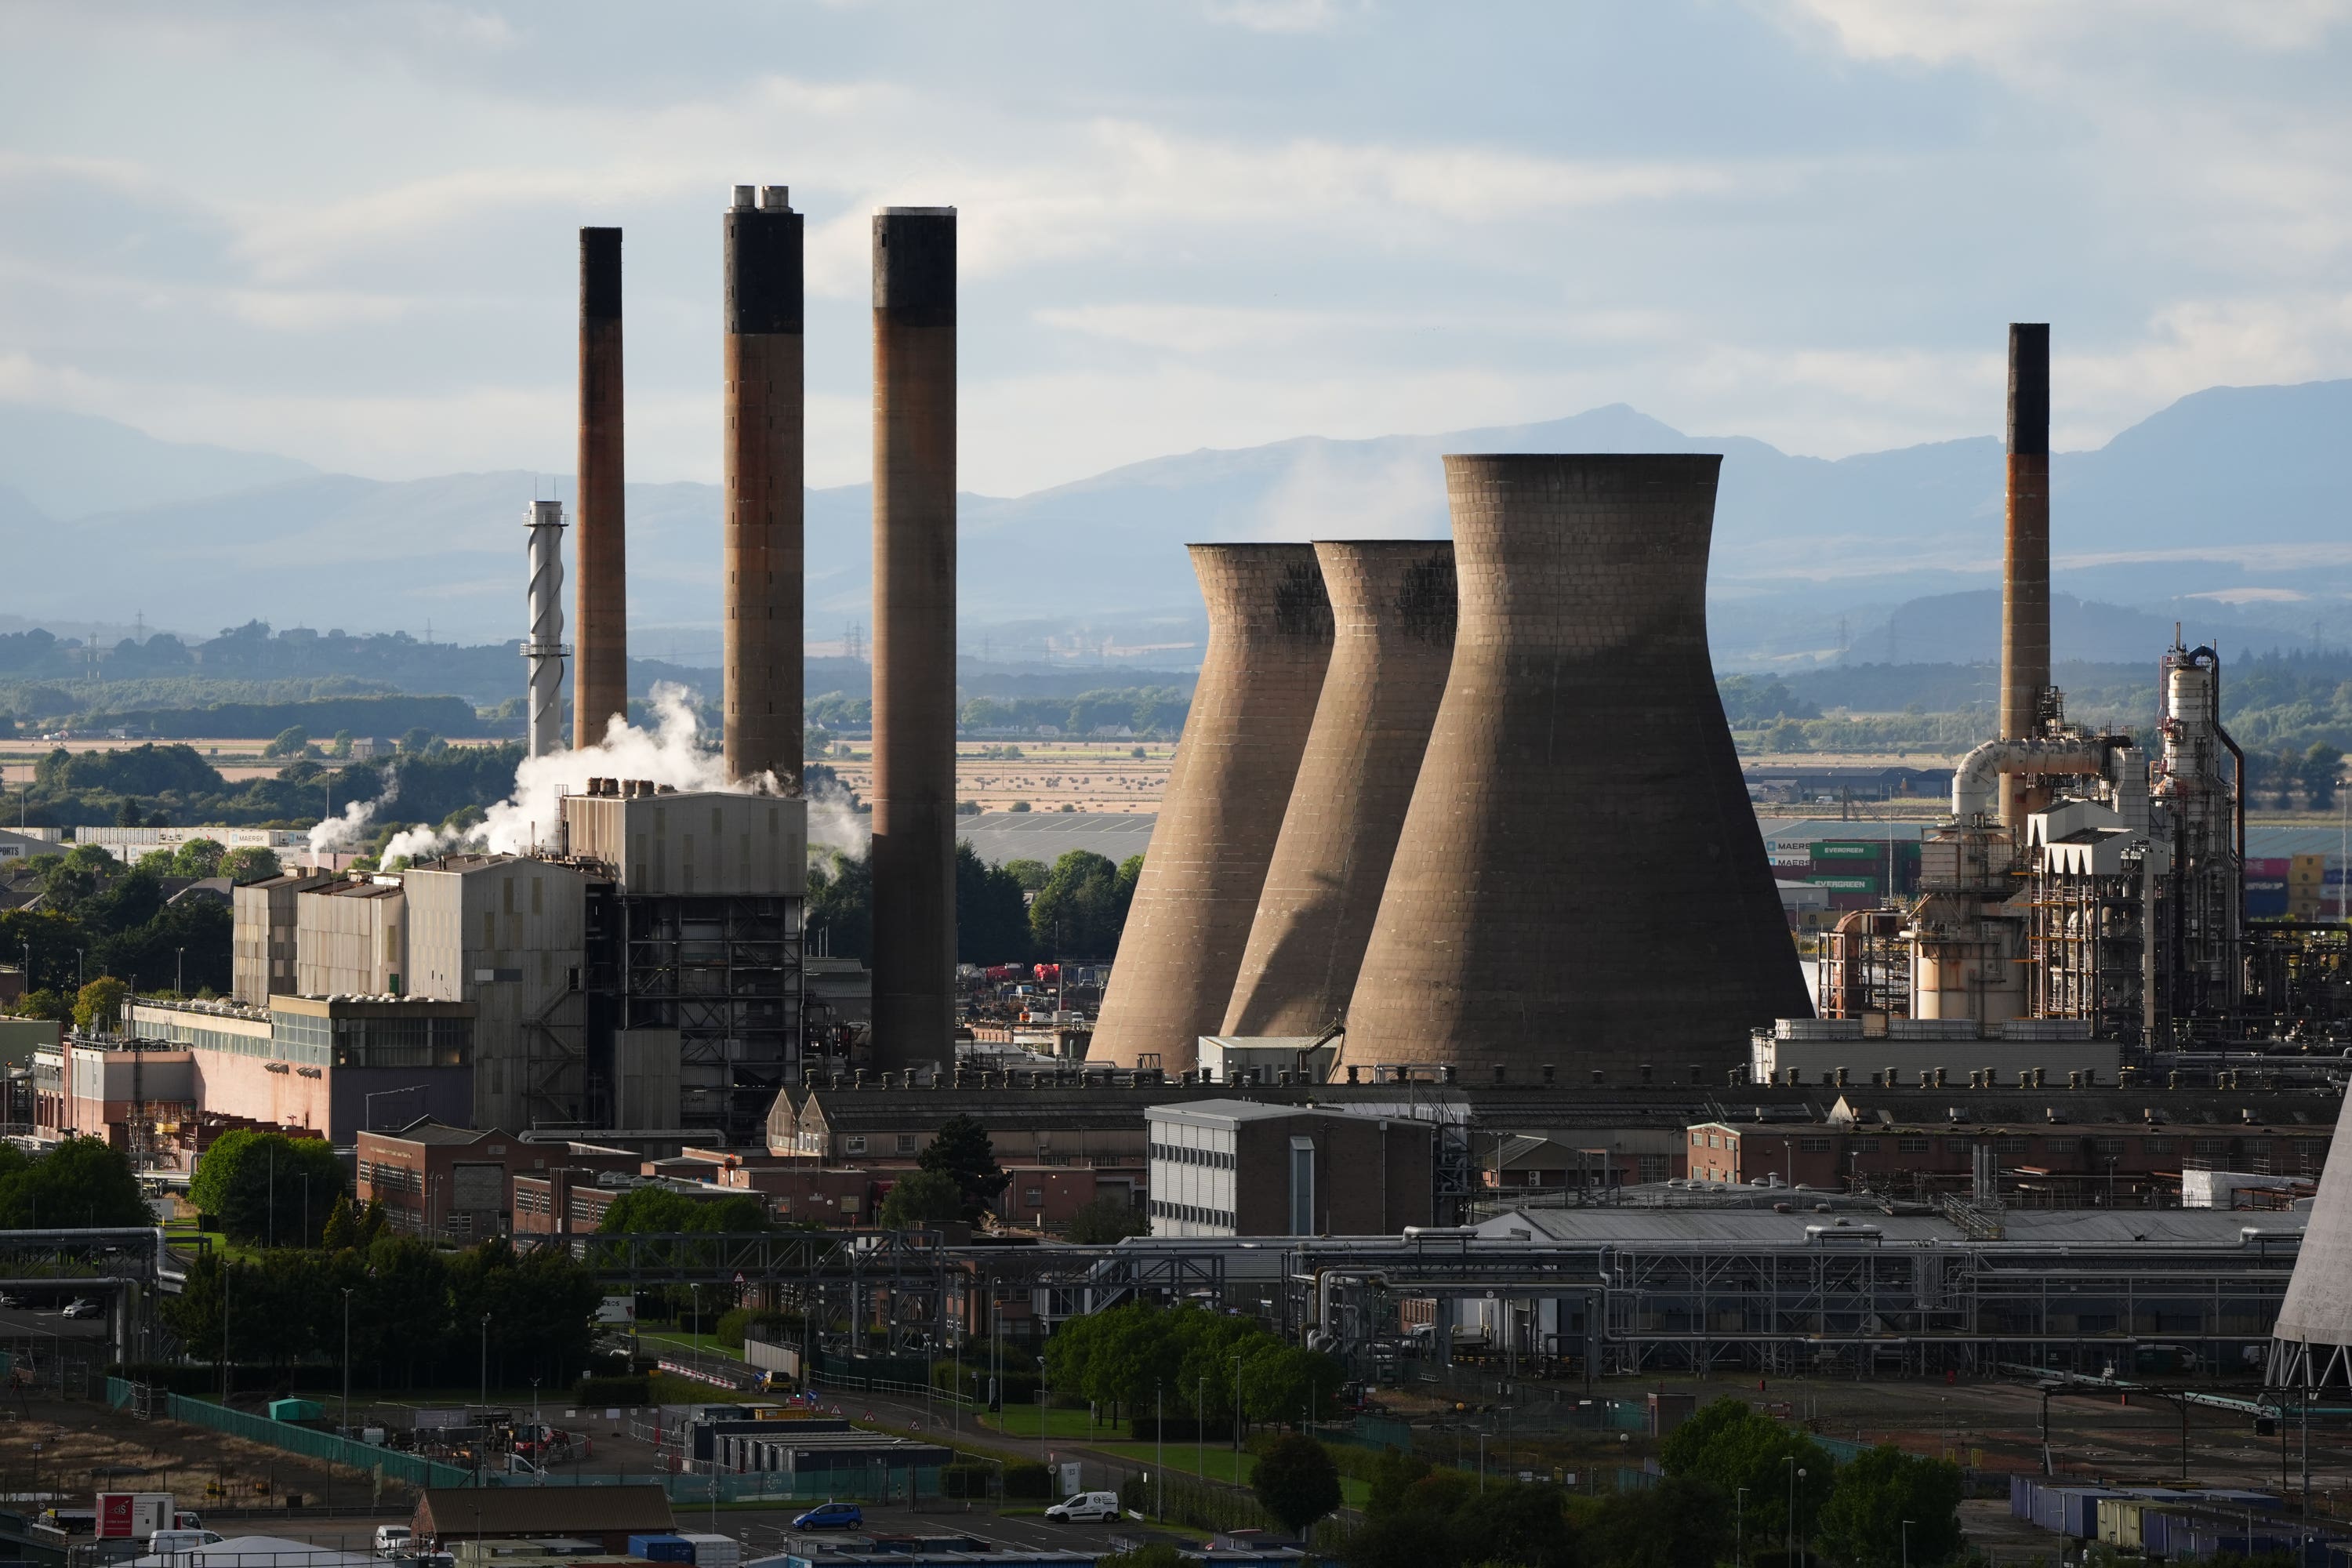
(1975, 781)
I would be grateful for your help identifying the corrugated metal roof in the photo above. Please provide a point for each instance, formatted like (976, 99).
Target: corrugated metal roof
(2039, 1227)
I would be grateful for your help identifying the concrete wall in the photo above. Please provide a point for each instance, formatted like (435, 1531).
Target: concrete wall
(262, 949)
(351, 939)
(1580, 881)
(505, 933)
(1269, 643)
(688, 844)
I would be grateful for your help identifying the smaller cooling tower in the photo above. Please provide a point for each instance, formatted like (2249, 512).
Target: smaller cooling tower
(1579, 882)
(2311, 1347)
(1393, 605)
(1269, 642)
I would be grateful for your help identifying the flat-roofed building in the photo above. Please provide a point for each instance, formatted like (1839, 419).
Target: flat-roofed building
(1234, 1167)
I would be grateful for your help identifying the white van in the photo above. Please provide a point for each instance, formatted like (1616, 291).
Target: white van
(391, 1540)
(174, 1544)
(1086, 1505)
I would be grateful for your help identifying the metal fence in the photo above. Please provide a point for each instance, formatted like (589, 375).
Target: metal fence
(285, 1436)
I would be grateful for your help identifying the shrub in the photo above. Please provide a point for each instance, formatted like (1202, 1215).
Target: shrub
(611, 1391)
(1028, 1480)
(965, 1481)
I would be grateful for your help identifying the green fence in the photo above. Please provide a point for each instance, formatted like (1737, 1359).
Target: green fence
(304, 1440)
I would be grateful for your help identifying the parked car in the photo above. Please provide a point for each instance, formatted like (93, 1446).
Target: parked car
(8, 1302)
(82, 1306)
(393, 1539)
(832, 1516)
(1084, 1506)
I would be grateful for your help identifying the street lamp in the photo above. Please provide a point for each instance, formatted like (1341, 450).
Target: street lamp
(1740, 1526)
(485, 1361)
(1906, 1543)
(1236, 1359)
(347, 1361)
(180, 973)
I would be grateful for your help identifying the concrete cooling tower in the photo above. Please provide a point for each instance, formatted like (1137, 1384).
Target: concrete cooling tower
(1269, 642)
(1392, 609)
(1579, 882)
(2311, 1347)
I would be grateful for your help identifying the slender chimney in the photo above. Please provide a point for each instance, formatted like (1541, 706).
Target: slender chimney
(914, 635)
(600, 673)
(542, 650)
(764, 469)
(2025, 577)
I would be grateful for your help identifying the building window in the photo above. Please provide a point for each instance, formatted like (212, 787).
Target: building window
(1035, 1196)
(853, 1145)
(2108, 1145)
(1911, 1145)
(2157, 1145)
(906, 1143)
(1814, 1145)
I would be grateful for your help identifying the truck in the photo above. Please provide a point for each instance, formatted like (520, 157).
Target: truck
(133, 1516)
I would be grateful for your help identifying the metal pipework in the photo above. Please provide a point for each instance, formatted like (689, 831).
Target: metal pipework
(1982, 771)
(2025, 574)
(600, 680)
(914, 635)
(765, 439)
(543, 650)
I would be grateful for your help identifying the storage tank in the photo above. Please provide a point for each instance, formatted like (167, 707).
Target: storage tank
(1579, 882)
(1269, 643)
(1392, 608)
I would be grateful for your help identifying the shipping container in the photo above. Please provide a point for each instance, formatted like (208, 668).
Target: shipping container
(1843, 883)
(662, 1548)
(713, 1550)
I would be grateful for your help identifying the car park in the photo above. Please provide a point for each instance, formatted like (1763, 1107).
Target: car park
(1086, 1506)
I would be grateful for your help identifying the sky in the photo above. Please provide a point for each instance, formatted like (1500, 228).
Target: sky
(347, 232)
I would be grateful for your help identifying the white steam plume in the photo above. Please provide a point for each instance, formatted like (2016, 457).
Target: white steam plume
(347, 833)
(669, 753)
(833, 824)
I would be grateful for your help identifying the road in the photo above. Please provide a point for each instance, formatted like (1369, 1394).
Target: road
(763, 1531)
(38, 1322)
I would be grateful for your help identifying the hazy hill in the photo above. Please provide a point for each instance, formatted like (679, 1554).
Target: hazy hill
(2220, 510)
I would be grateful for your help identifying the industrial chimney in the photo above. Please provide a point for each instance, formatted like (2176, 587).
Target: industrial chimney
(914, 635)
(1269, 645)
(1392, 609)
(764, 473)
(2025, 574)
(1579, 880)
(599, 675)
(543, 648)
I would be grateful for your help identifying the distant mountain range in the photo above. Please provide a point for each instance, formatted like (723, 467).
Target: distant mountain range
(2226, 509)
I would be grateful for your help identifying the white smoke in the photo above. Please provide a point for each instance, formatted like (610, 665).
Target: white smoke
(346, 834)
(833, 824)
(671, 753)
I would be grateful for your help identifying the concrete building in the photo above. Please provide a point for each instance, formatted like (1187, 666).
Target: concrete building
(306, 1062)
(507, 933)
(1269, 645)
(2311, 1347)
(1231, 1167)
(351, 938)
(1392, 609)
(263, 952)
(1580, 689)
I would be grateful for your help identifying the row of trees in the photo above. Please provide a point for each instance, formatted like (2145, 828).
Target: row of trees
(417, 1316)
(267, 1187)
(1013, 913)
(78, 1182)
(1189, 1362)
(98, 916)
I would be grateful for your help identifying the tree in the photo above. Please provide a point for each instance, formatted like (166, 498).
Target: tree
(198, 858)
(1728, 1445)
(922, 1198)
(154, 863)
(1862, 1523)
(656, 1211)
(1030, 874)
(1082, 908)
(290, 742)
(2320, 768)
(1677, 1523)
(79, 1182)
(258, 1186)
(342, 1231)
(841, 907)
(1104, 1220)
(341, 749)
(417, 742)
(963, 1150)
(45, 1003)
(98, 1008)
(992, 916)
(1296, 1481)
(248, 863)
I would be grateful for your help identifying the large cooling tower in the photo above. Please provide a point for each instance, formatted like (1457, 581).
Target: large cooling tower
(1269, 643)
(2311, 1347)
(1392, 605)
(1580, 881)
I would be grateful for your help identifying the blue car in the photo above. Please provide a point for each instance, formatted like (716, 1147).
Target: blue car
(832, 1516)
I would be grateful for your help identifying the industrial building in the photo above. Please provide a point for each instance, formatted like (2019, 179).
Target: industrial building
(1233, 1167)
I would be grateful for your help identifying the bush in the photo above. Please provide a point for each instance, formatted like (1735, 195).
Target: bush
(612, 1391)
(739, 1323)
(1028, 1480)
(1019, 1385)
